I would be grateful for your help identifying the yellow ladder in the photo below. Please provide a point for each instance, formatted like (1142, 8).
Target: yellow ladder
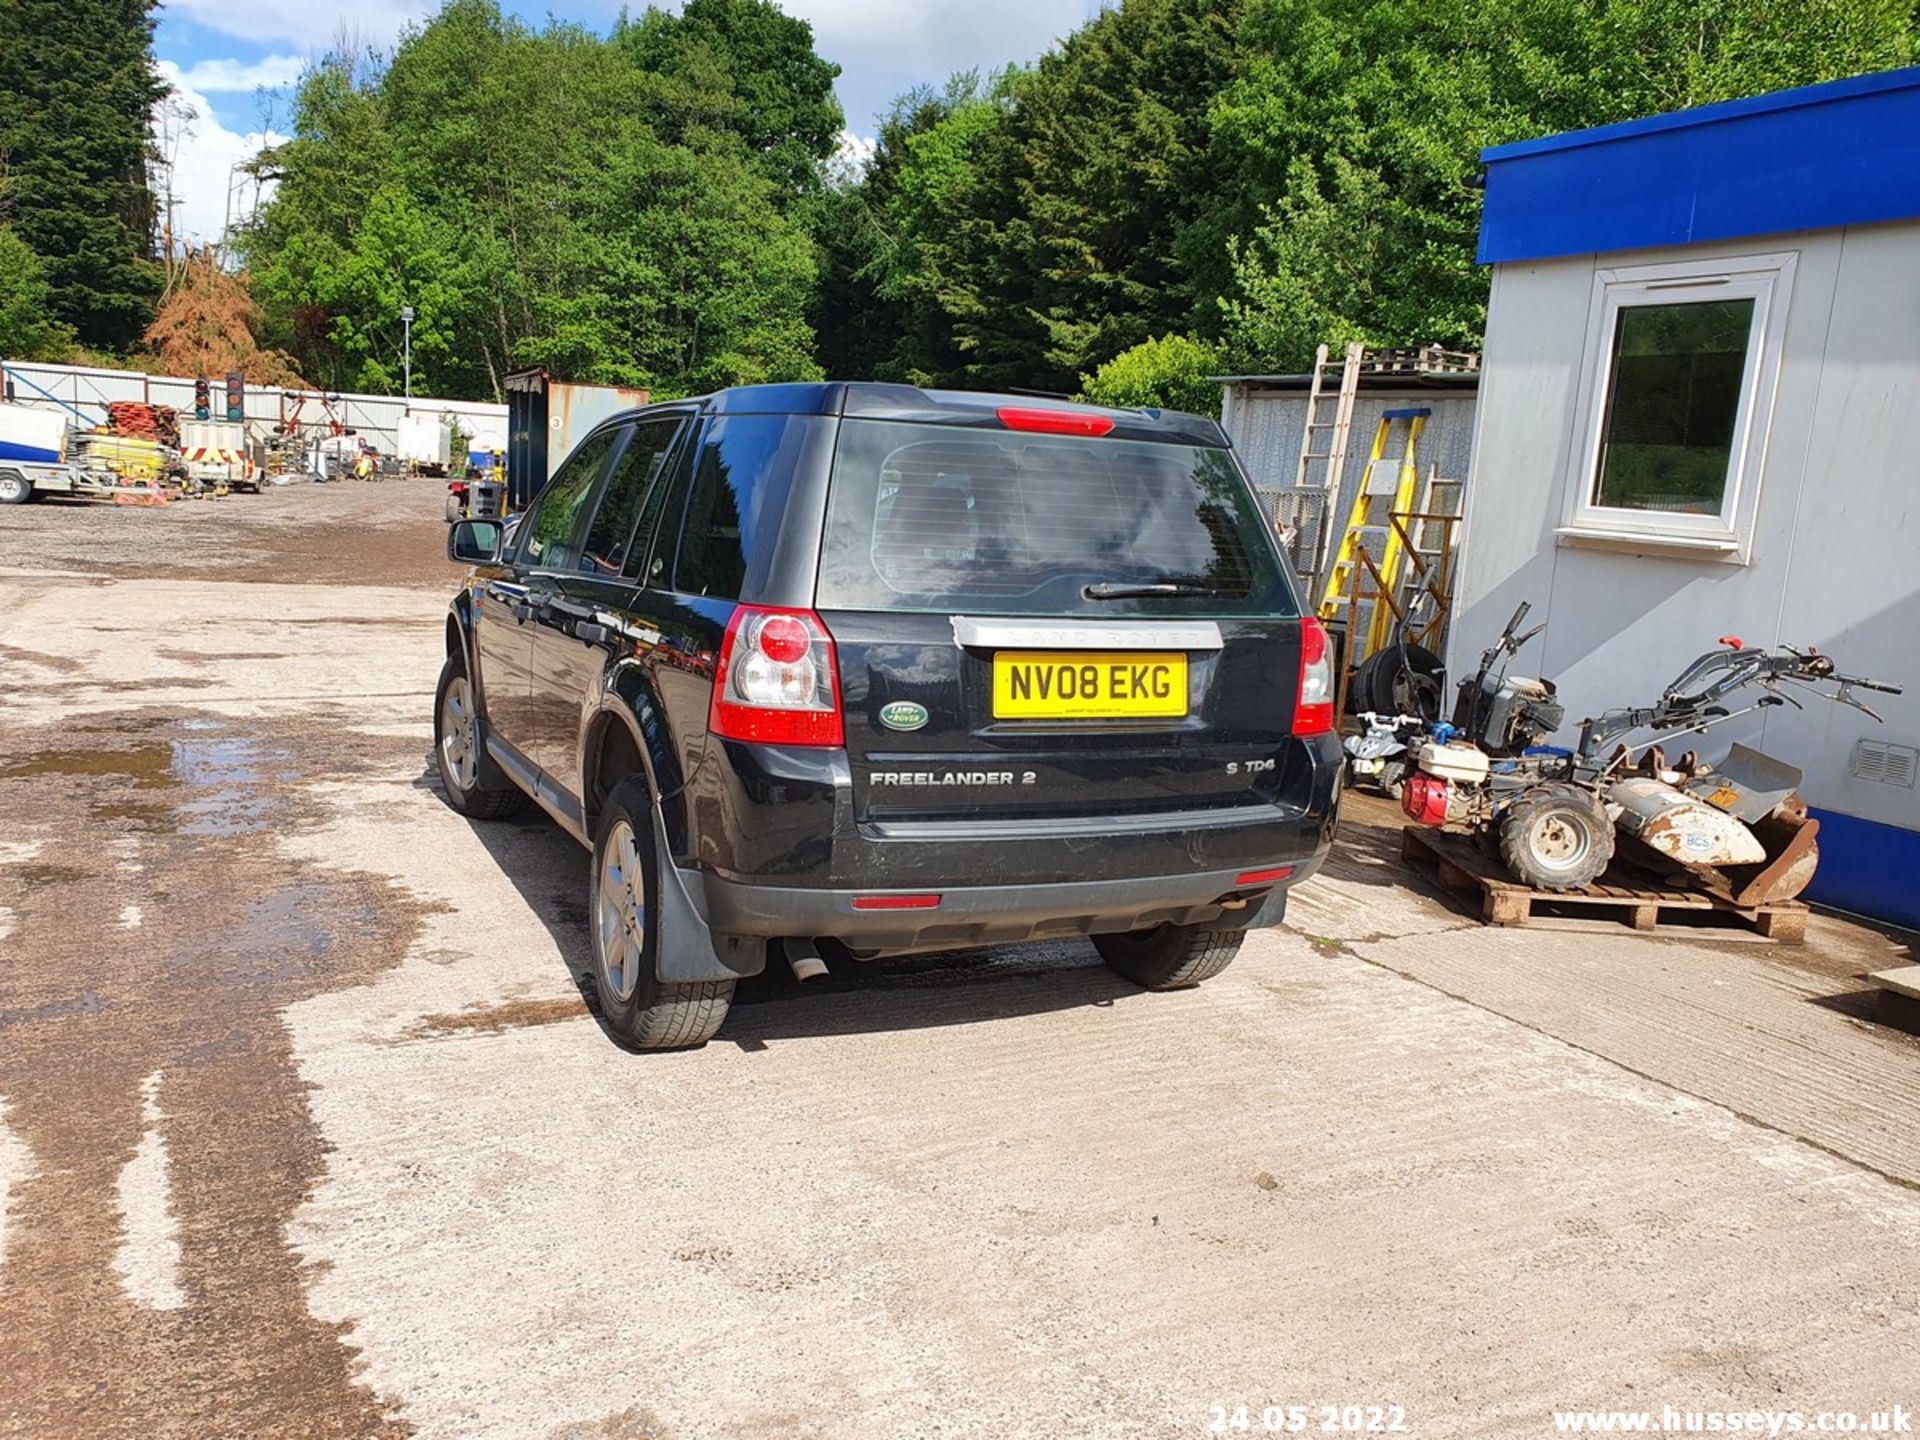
(1388, 488)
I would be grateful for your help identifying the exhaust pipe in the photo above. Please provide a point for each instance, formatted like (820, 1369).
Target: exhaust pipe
(804, 957)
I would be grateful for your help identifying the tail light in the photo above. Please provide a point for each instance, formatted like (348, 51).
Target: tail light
(776, 681)
(1424, 798)
(1313, 712)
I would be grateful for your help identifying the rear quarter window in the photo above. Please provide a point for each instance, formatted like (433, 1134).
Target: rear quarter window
(742, 474)
(932, 517)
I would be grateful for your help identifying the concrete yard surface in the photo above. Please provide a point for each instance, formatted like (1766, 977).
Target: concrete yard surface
(307, 1127)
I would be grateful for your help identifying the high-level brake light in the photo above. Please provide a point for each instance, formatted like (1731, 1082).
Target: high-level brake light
(1054, 422)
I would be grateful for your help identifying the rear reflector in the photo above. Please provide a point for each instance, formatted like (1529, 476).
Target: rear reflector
(1263, 877)
(895, 902)
(1054, 422)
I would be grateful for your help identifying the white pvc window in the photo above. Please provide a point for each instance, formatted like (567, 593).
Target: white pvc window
(1681, 366)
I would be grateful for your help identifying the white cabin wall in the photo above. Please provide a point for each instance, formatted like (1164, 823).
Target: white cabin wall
(1832, 561)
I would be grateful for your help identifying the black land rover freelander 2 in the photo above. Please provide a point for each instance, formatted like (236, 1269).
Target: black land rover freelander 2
(874, 670)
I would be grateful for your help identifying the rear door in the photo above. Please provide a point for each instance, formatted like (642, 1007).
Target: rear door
(595, 588)
(549, 541)
(1039, 625)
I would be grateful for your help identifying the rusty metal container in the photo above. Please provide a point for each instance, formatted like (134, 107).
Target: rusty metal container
(546, 418)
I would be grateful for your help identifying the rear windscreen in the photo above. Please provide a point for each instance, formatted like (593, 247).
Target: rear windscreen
(933, 517)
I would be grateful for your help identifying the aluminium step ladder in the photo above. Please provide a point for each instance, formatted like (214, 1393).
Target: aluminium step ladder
(1323, 457)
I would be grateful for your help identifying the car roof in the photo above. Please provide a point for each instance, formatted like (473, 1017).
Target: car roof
(875, 400)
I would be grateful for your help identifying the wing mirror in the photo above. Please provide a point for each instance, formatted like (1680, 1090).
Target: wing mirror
(474, 542)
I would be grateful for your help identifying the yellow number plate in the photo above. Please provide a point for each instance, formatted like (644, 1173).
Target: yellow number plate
(1110, 685)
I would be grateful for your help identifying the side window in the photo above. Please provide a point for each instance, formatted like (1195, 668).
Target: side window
(654, 541)
(560, 514)
(635, 478)
(740, 478)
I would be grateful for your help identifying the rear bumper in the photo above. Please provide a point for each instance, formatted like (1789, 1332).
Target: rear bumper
(772, 850)
(1000, 914)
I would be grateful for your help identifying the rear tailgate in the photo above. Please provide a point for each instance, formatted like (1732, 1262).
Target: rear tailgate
(1067, 627)
(963, 760)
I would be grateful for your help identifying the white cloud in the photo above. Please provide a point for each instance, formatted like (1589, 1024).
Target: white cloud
(203, 152)
(222, 76)
(850, 156)
(319, 27)
(885, 46)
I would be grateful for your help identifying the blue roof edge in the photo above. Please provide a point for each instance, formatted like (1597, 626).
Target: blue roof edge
(1825, 93)
(1818, 157)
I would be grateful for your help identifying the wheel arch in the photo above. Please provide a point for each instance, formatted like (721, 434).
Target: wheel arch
(629, 734)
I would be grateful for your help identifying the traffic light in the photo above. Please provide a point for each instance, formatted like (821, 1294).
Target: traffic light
(202, 399)
(236, 396)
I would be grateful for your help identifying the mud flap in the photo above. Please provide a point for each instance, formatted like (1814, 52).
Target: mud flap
(689, 952)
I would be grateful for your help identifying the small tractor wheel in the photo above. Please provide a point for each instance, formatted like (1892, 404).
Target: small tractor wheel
(1402, 679)
(1556, 837)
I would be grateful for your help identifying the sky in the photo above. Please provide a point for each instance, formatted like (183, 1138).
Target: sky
(232, 64)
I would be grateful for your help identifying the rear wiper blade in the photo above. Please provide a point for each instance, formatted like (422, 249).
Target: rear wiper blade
(1116, 590)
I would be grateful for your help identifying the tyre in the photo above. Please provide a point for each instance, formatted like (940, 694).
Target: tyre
(1399, 680)
(1169, 957)
(1556, 837)
(457, 742)
(623, 903)
(15, 488)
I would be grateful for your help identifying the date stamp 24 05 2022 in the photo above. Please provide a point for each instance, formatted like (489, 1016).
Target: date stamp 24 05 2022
(1306, 1419)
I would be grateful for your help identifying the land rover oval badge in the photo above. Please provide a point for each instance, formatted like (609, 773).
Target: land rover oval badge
(903, 715)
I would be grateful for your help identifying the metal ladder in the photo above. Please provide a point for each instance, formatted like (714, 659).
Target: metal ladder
(1388, 488)
(1319, 470)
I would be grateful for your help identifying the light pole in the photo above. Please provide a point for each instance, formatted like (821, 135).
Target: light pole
(406, 327)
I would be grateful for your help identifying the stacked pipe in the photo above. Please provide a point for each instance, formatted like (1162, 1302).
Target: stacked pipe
(139, 420)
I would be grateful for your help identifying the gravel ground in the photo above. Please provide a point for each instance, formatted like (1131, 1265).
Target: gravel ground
(307, 1126)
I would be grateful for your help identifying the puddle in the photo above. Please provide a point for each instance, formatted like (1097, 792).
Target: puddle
(144, 765)
(218, 782)
(286, 936)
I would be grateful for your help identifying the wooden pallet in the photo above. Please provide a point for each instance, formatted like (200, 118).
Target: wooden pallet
(1619, 897)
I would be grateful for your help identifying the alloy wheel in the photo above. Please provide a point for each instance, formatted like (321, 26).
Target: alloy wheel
(620, 918)
(459, 737)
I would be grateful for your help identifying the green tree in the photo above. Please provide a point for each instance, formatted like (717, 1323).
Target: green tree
(1354, 129)
(77, 86)
(747, 67)
(538, 198)
(28, 330)
(1083, 194)
(890, 286)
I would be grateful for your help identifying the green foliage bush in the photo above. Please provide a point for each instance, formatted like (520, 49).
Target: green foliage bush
(1170, 373)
